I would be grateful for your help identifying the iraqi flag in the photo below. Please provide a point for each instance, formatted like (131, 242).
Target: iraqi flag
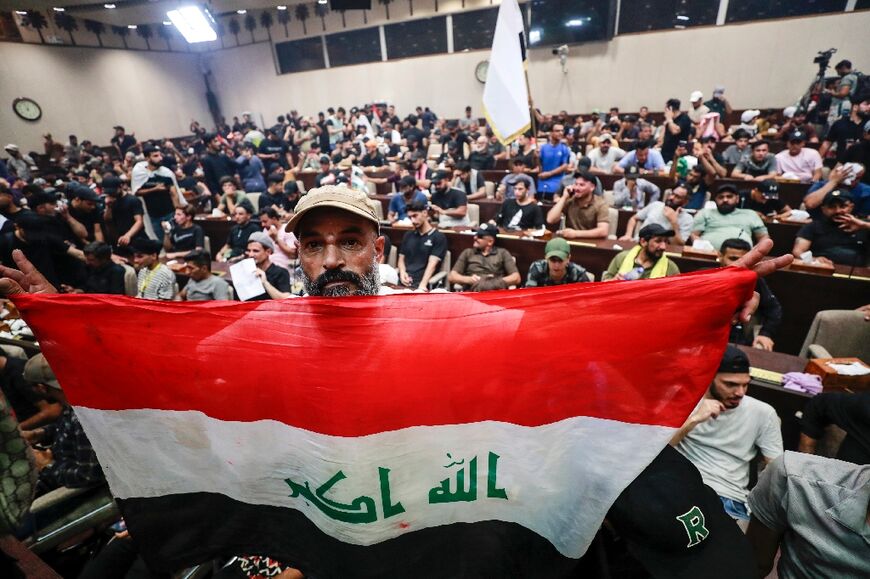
(396, 436)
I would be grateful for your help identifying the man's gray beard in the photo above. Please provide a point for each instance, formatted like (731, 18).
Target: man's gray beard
(370, 285)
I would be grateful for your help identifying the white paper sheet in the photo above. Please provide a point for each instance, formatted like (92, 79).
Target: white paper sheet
(245, 282)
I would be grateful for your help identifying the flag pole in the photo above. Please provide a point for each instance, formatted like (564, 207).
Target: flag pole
(534, 121)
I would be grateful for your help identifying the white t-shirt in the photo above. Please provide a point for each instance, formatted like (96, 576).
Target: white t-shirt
(722, 448)
(606, 161)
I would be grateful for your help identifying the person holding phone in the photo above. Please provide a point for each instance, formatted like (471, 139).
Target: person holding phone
(678, 127)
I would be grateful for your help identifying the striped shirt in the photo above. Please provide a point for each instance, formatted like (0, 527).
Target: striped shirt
(155, 284)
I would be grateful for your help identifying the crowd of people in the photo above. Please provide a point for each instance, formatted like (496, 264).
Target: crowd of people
(110, 220)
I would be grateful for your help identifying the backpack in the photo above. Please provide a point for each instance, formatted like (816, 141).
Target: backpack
(861, 90)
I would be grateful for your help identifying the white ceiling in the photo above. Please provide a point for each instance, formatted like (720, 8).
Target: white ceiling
(139, 11)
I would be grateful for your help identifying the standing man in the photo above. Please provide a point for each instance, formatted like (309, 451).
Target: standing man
(421, 250)
(124, 211)
(646, 260)
(555, 163)
(726, 431)
(215, 164)
(678, 127)
(157, 186)
(841, 95)
(19, 163)
(122, 141)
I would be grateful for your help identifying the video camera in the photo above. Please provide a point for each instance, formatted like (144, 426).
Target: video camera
(823, 58)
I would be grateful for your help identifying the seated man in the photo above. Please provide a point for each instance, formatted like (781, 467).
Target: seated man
(260, 248)
(274, 195)
(30, 409)
(759, 165)
(798, 161)
(184, 236)
(408, 193)
(203, 286)
(644, 157)
(484, 260)
(646, 260)
(70, 461)
(848, 411)
(739, 150)
(373, 159)
(726, 221)
(697, 182)
(605, 156)
(449, 203)
(505, 189)
(469, 180)
(586, 215)
(522, 213)
(103, 275)
(232, 195)
(421, 250)
(633, 191)
(670, 214)
(727, 430)
(843, 177)
(813, 512)
(154, 280)
(556, 268)
(769, 310)
(237, 241)
(837, 236)
(764, 199)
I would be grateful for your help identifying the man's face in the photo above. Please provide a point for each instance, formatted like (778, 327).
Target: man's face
(837, 209)
(198, 272)
(228, 187)
(582, 187)
(240, 216)
(759, 153)
(521, 190)
(556, 133)
(214, 144)
(266, 222)
(642, 155)
(85, 205)
(678, 198)
(693, 177)
(483, 243)
(257, 252)
(48, 209)
(798, 119)
(645, 133)
(655, 247)
(92, 261)
(141, 260)
(742, 142)
(604, 145)
(731, 256)
(726, 201)
(441, 186)
(155, 158)
(418, 218)
(644, 110)
(556, 266)
(795, 147)
(729, 388)
(339, 253)
(119, 132)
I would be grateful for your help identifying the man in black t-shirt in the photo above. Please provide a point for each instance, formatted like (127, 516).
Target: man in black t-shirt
(522, 213)
(678, 127)
(237, 241)
(157, 186)
(274, 150)
(456, 139)
(58, 260)
(83, 208)
(260, 248)
(122, 141)
(860, 153)
(836, 237)
(124, 211)
(844, 133)
(764, 200)
(215, 165)
(421, 250)
(103, 275)
(9, 209)
(448, 202)
(373, 158)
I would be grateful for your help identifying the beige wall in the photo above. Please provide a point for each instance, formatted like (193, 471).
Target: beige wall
(86, 91)
(762, 64)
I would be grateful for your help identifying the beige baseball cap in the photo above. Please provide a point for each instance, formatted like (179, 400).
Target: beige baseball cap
(337, 196)
(37, 371)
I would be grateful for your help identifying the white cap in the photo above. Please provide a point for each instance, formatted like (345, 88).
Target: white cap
(696, 96)
(788, 112)
(719, 90)
(11, 147)
(747, 116)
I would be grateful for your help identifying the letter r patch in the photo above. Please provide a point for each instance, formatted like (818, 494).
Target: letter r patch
(693, 521)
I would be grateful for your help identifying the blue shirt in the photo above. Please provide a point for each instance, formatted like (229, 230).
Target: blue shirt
(860, 195)
(552, 156)
(251, 174)
(400, 208)
(654, 160)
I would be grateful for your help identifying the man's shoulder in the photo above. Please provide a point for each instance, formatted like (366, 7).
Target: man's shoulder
(756, 407)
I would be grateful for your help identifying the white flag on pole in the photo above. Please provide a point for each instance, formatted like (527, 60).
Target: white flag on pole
(505, 96)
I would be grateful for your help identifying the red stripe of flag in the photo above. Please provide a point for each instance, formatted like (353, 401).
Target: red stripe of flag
(641, 352)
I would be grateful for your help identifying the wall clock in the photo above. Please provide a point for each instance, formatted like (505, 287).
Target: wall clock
(27, 108)
(481, 70)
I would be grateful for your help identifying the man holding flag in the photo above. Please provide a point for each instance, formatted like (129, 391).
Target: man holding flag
(527, 514)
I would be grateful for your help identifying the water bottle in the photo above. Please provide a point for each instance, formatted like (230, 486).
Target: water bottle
(634, 274)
